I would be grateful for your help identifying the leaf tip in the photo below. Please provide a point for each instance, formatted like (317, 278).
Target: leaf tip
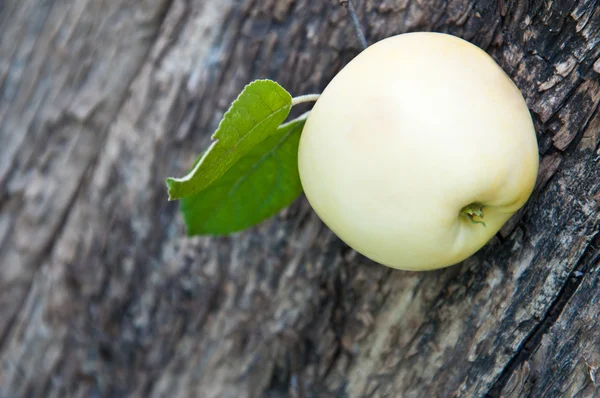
(171, 183)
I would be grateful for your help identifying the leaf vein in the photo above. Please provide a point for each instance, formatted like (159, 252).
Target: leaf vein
(246, 175)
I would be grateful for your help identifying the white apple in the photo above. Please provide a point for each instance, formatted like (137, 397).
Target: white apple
(413, 145)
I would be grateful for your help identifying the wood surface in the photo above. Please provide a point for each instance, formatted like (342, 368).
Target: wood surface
(102, 295)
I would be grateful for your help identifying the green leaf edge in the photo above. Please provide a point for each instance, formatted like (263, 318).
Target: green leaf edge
(173, 183)
(300, 120)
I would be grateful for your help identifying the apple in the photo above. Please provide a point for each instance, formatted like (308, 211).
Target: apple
(418, 151)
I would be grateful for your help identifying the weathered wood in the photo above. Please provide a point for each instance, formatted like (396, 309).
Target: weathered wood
(101, 294)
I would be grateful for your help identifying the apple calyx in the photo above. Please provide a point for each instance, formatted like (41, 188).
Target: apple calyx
(473, 210)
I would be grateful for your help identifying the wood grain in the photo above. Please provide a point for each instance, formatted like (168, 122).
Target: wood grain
(102, 295)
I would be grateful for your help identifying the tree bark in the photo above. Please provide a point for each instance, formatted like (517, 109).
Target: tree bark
(102, 295)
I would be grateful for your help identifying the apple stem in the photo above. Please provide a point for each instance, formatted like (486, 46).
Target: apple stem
(305, 98)
(355, 22)
(473, 210)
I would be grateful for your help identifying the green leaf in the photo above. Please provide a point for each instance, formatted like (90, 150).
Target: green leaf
(255, 188)
(257, 112)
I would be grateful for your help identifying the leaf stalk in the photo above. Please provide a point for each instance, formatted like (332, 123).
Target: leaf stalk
(305, 98)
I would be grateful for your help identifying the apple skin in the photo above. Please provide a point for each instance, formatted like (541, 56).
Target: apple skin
(411, 131)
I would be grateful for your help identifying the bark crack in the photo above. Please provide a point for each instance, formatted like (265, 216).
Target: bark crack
(44, 253)
(586, 263)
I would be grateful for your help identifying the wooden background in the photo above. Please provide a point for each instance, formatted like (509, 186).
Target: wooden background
(101, 294)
